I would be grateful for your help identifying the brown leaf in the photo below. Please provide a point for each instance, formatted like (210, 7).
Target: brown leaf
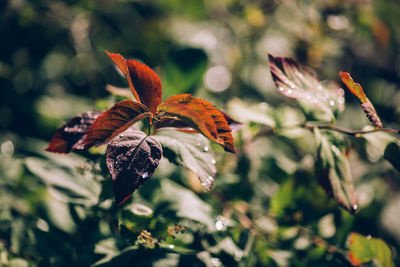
(72, 134)
(143, 81)
(132, 158)
(114, 121)
(218, 125)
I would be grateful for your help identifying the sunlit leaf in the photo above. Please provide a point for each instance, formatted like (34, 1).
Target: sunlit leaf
(354, 87)
(143, 81)
(114, 121)
(333, 171)
(295, 81)
(201, 122)
(364, 249)
(392, 154)
(190, 150)
(247, 112)
(365, 103)
(72, 134)
(132, 158)
(218, 125)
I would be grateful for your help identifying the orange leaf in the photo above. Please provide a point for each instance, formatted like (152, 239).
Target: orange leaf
(366, 104)
(114, 121)
(143, 81)
(354, 87)
(223, 131)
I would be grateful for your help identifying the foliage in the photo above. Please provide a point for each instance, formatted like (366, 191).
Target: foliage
(314, 181)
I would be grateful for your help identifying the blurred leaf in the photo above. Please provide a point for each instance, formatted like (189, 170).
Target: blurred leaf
(121, 92)
(298, 82)
(190, 150)
(72, 134)
(114, 121)
(143, 81)
(246, 112)
(376, 143)
(65, 185)
(186, 204)
(392, 154)
(365, 103)
(333, 171)
(184, 69)
(284, 197)
(132, 158)
(366, 249)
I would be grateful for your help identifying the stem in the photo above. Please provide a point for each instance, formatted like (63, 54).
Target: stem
(332, 127)
(348, 131)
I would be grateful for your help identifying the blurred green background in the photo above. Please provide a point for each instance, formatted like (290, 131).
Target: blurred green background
(266, 200)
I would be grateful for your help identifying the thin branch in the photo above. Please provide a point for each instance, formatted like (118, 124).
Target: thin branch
(348, 131)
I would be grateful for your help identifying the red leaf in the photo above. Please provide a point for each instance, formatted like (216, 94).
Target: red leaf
(143, 81)
(131, 160)
(72, 134)
(114, 121)
(365, 103)
(192, 118)
(222, 134)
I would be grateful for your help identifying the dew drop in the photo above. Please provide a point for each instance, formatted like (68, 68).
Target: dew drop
(171, 246)
(332, 103)
(206, 148)
(369, 237)
(263, 106)
(213, 161)
(289, 92)
(355, 207)
(145, 175)
(121, 135)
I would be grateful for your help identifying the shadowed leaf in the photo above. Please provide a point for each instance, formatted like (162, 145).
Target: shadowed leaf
(365, 103)
(334, 174)
(143, 81)
(114, 121)
(72, 134)
(132, 158)
(392, 154)
(295, 81)
(218, 125)
(366, 249)
(192, 151)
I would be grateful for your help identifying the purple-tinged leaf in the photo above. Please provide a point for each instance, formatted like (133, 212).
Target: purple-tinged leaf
(295, 81)
(132, 158)
(72, 134)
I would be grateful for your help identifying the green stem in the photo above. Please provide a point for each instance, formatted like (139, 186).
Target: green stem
(348, 131)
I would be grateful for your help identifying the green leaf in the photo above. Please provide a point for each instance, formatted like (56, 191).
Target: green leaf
(246, 112)
(392, 154)
(190, 150)
(186, 203)
(365, 249)
(67, 185)
(333, 171)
